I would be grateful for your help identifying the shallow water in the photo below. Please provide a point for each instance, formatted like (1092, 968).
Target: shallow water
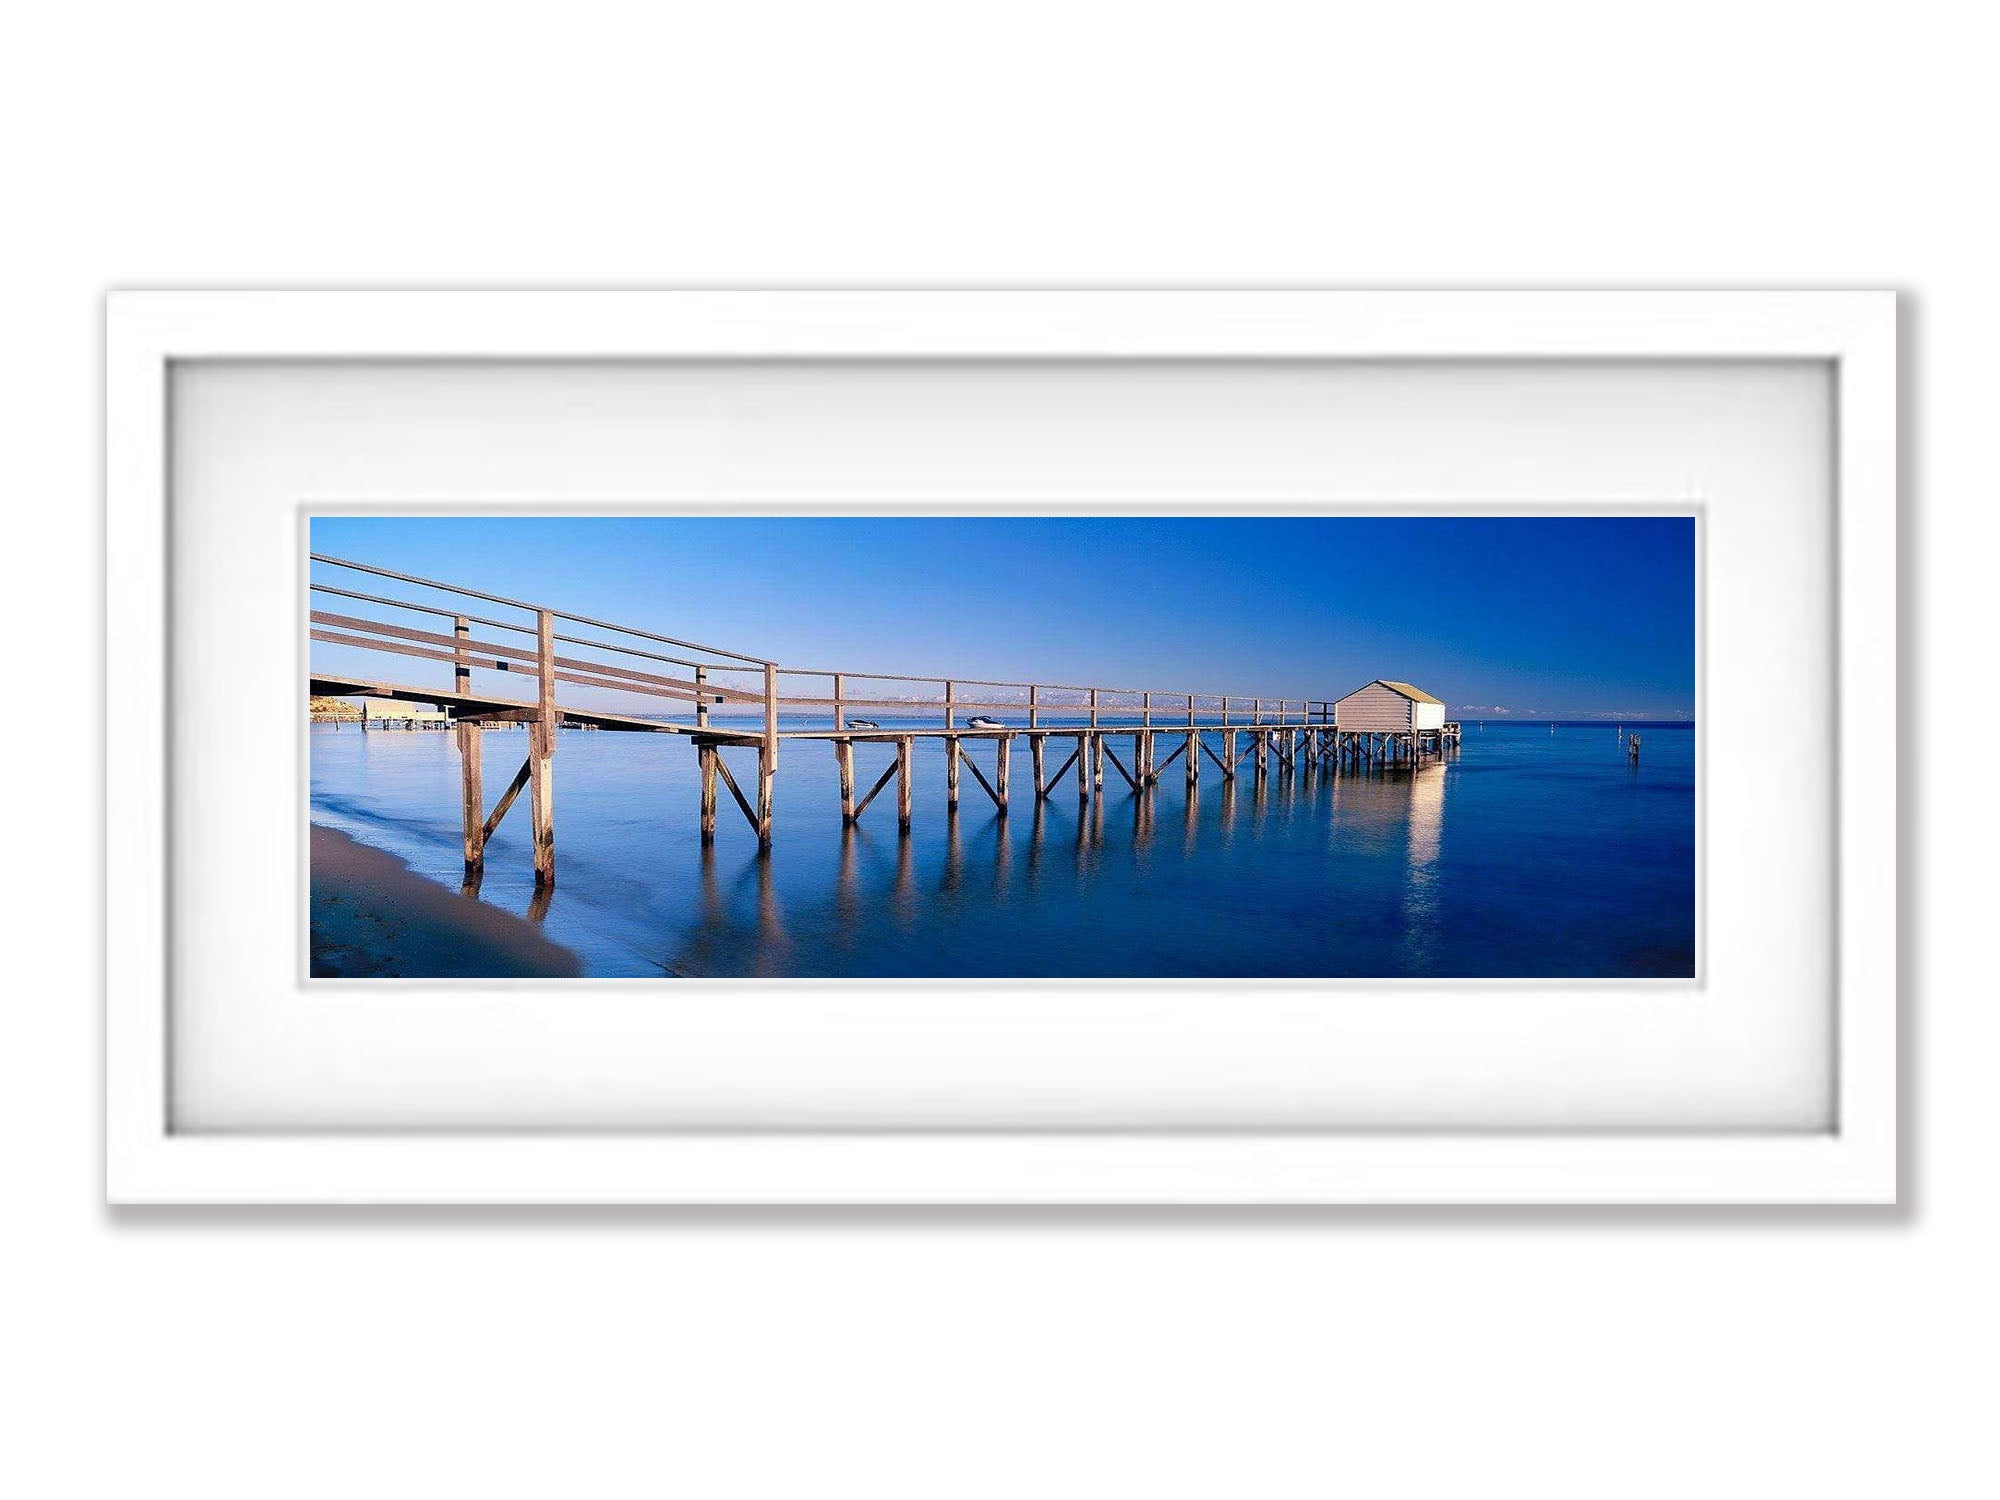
(1529, 854)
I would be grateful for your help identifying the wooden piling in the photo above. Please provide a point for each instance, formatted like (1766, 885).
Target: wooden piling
(843, 755)
(1037, 753)
(953, 751)
(473, 794)
(767, 758)
(542, 750)
(903, 745)
(1004, 744)
(1083, 767)
(706, 755)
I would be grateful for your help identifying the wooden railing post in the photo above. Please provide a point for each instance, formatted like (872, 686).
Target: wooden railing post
(950, 714)
(839, 708)
(542, 750)
(700, 701)
(461, 671)
(767, 757)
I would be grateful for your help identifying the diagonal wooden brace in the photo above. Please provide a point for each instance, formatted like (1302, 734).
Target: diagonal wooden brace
(749, 813)
(506, 801)
(886, 777)
(1056, 780)
(980, 776)
(1112, 756)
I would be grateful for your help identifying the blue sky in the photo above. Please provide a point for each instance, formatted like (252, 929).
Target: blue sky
(1537, 617)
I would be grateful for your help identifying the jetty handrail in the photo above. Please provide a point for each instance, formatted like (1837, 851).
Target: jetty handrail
(540, 609)
(1150, 706)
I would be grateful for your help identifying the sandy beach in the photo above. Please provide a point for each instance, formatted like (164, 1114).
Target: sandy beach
(373, 917)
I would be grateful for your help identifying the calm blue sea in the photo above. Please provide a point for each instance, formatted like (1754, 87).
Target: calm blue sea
(1531, 854)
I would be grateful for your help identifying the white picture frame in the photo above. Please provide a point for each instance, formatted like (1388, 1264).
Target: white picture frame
(1851, 1160)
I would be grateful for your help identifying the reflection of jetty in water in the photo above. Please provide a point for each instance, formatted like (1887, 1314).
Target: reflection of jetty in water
(744, 926)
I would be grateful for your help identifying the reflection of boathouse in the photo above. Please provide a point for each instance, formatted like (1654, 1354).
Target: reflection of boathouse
(1391, 721)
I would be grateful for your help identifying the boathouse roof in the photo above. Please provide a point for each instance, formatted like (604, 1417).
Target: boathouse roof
(1414, 694)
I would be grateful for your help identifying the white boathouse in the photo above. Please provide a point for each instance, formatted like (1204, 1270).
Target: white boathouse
(1388, 720)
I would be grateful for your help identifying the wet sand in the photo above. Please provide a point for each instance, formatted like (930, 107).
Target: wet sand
(373, 917)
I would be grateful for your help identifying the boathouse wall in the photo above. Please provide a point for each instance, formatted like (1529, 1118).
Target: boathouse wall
(1375, 709)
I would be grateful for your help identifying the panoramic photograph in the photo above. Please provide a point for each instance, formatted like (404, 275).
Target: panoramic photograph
(1006, 747)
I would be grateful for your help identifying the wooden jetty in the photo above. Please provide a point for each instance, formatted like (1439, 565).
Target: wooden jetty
(684, 688)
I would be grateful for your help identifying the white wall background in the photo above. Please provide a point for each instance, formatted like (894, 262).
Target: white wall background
(1449, 1353)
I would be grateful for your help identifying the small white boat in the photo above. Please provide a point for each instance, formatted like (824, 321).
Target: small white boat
(862, 724)
(980, 721)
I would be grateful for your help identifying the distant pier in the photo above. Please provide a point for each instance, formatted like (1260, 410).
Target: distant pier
(1235, 734)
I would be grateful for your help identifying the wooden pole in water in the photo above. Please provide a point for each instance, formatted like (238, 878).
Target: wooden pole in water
(952, 751)
(843, 756)
(767, 758)
(470, 761)
(1193, 757)
(1000, 772)
(903, 743)
(1096, 746)
(1083, 767)
(542, 750)
(471, 764)
(1037, 752)
(706, 755)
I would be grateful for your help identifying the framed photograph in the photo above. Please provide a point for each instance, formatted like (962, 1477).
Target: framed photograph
(1002, 747)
